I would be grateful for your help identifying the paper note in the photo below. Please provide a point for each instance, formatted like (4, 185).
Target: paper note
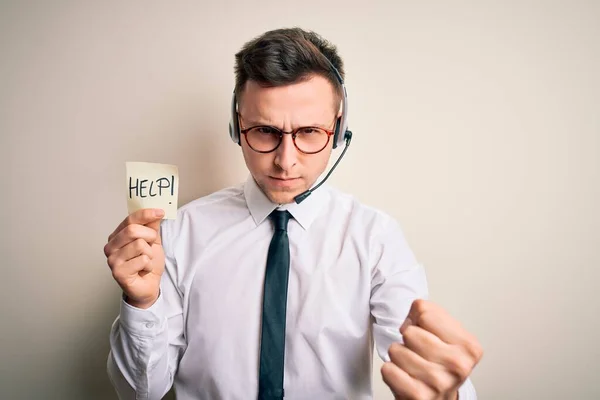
(151, 185)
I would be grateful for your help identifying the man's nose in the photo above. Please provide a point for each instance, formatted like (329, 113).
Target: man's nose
(286, 155)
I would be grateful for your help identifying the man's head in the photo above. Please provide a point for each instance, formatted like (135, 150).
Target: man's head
(284, 80)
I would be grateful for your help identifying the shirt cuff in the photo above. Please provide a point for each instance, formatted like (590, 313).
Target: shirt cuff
(143, 322)
(467, 391)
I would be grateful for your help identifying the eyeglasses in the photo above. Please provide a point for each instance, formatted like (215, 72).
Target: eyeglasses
(307, 139)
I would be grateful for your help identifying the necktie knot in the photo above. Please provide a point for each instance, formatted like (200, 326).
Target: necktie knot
(280, 219)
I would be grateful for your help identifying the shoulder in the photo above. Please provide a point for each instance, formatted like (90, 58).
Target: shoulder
(379, 231)
(372, 229)
(358, 213)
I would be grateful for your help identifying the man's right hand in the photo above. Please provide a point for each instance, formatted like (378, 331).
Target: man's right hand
(136, 257)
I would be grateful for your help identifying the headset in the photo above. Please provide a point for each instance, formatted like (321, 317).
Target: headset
(341, 135)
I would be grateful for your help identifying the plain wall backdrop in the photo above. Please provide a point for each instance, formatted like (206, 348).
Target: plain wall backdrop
(476, 124)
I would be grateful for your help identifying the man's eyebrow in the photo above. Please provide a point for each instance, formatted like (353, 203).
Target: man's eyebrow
(260, 122)
(255, 122)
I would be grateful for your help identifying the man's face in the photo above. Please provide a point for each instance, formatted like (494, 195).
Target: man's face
(286, 172)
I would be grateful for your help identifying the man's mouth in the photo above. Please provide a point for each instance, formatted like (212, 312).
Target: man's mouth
(283, 181)
(282, 178)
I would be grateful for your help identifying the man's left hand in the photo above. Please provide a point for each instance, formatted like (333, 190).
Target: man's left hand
(436, 358)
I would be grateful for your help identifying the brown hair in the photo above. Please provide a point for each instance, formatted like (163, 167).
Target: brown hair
(285, 56)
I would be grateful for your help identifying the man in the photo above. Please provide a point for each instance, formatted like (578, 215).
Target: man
(250, 294)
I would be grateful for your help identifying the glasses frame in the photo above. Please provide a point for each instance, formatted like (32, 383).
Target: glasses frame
(294, 132)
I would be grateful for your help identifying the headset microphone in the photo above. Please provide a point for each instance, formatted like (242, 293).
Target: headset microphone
(302, 196)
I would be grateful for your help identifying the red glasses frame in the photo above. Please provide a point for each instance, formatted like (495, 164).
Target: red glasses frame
(281, 133)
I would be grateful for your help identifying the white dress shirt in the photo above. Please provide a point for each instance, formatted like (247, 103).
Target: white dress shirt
(352, 280)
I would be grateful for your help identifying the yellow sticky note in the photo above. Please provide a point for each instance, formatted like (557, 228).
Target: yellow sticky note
(151, 185)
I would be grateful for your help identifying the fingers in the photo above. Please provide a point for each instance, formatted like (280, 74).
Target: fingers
(155, 226)
(132, 269)
(401, 383)
(131, 259)
(129, 234)
(438, 354)
(434, 319)
(433, 334)
(436, 378)
(431, 348)
(424, 343)
(131, 250)
(140, 217)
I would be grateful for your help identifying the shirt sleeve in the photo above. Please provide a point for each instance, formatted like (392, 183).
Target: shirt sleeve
(397, 279)
(147, 344)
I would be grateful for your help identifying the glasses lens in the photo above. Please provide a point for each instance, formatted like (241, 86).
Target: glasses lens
(311, 140)
(263, 138)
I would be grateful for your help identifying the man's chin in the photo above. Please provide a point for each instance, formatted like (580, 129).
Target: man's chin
(282, 197)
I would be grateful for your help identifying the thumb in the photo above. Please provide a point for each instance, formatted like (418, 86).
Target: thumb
(156, 226)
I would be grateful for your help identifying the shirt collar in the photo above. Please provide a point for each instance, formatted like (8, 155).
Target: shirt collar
(304, 213)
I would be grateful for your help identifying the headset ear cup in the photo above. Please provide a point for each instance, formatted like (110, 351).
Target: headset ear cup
(231, 130)
(234, 126)
(234, 131)
(336, 136)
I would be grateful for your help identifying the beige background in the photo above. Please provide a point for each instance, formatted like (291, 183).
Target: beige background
(476, 124)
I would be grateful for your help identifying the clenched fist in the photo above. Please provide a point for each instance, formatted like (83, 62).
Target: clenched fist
(436, 358)
(136, 257)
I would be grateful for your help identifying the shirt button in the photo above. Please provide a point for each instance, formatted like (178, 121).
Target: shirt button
(149, 325)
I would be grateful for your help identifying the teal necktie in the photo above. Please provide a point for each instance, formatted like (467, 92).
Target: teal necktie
(272, 344)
